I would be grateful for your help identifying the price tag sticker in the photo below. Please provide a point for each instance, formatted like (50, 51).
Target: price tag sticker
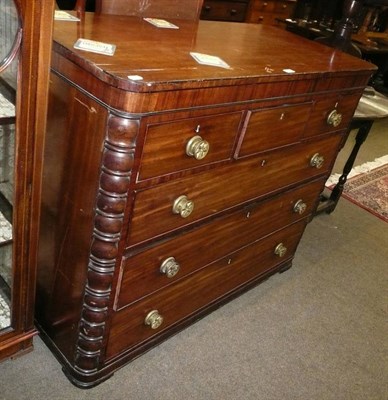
(135, 77)
(289, 71)
(206, 59)
(64, 16)
(95, 47)
(161, 23)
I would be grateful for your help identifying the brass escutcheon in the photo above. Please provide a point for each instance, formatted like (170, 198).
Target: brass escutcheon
(169, 267)
(183, 206)
(300, 207)
(334, 118)
(197, 147)
(280, 250)
(153, 319)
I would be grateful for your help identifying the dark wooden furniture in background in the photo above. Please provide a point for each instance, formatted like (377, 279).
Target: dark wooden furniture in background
(20, 196)
(170, 187)
(319, 19)
(254, 11)
(225, 10)
(269, 11)
(190, 10)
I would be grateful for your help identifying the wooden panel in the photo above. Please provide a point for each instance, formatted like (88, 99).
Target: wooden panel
(164, 150)
(188, 295)
(141, 272)
(275, 127)
(70, 183)
(232, 184)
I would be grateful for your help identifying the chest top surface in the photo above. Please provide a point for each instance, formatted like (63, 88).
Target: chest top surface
(161, 57)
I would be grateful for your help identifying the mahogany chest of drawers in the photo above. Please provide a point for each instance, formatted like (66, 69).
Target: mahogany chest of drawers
(170, 186)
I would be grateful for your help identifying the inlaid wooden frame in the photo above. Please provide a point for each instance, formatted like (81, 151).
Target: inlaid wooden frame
(36, 21)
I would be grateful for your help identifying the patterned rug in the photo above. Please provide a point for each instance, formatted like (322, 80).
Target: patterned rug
(370, 191)
(367, 187)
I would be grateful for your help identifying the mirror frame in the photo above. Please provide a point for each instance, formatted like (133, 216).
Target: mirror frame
(4, 63)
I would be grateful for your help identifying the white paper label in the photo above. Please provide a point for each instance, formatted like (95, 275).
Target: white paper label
(161, 23)
(207, 59)
(95, 47)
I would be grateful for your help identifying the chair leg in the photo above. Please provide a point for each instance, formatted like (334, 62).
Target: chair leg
(361, 136)
(80, 6)
(328, 205)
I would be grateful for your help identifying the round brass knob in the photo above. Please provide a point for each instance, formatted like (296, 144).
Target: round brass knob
(197, 147)
(317, 160)
(169, 267)
(153, 319)
(300, 207)
(334, 118)
(183, 206)
(280, 250)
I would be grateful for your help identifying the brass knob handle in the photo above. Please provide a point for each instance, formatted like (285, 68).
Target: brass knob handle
(280, 250)
(197, 147)
(183, 206)
(317, 160)
(334, 118)
(153, 319)
(300, 207)
(169, 267)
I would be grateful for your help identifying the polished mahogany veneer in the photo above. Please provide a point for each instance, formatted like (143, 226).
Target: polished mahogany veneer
(169, 186)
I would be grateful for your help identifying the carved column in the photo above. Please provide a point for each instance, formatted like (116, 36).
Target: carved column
(116, 170)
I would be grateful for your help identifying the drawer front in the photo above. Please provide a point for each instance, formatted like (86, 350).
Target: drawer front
(188, 143)
(265, 12)
(262, 17)
(224, 10)
(326, 111)
(187, 296)
(161, 265)
(262, 5)
(274, 127)
(285, 8)
(214, 191)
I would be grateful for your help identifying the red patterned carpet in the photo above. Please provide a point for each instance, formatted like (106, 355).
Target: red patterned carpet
(370, 191)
